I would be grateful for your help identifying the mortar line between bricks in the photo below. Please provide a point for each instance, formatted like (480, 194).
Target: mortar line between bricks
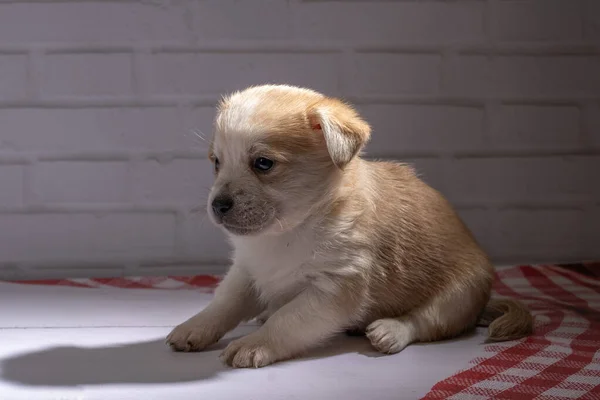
(91, 208)
(132, 155)
(116, 208)
(583, 152)
(64, 1)
(379, 1)
(211, 101)
(293, 47)
(101, 102)
(24, 158)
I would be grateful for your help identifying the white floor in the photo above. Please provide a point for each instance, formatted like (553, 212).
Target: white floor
(65, 343)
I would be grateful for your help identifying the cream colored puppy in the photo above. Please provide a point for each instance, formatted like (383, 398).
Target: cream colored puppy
(326, 241)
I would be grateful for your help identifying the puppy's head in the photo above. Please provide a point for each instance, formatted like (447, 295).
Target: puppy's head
(277, 152)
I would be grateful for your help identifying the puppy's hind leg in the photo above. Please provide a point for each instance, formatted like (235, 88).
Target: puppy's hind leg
(392, 335)
(445, 317)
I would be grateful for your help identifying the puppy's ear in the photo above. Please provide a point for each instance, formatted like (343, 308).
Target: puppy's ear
(344, 131)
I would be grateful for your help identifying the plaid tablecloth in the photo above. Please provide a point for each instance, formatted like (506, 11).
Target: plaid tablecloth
(561, 360)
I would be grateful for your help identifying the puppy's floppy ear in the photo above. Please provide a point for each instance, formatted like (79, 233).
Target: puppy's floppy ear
(344, 131)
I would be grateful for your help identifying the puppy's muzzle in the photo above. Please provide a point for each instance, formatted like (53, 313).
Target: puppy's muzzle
(221, 205)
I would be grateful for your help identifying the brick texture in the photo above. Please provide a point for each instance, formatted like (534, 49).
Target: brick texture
(400, 74)
(106, 108)
(11, 180)
(94, 129)
(179, 181)
(13, 76)
(536, 20)
(82, 237)
(535, 127)
(410, 127)
(194, 73)
(87, 75)
(81, 182)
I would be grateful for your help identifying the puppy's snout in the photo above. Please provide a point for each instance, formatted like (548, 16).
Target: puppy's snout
(221, 205)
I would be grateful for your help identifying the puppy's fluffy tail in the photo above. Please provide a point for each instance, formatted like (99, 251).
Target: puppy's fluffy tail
(506, 320)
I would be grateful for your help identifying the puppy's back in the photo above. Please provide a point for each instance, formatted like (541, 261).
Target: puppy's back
(422, 247)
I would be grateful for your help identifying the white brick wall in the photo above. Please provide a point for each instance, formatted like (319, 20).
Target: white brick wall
(497, 102)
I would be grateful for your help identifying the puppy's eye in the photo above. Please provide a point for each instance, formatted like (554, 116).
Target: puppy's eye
(217, 164)
(263, 164)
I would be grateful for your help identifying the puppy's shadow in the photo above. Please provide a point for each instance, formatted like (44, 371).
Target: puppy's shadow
(143, 363)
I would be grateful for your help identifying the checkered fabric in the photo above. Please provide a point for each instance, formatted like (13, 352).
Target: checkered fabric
(560, 361)
(204, 283)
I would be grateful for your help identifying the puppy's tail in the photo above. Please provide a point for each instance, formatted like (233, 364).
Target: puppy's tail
(506, 320)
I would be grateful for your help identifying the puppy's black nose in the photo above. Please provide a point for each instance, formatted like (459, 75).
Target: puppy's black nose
(221, 205)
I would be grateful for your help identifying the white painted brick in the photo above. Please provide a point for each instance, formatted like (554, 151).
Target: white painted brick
(591, 17)
(94, 129)
(533, 20)
(216, 73)
(413, 128)
(11, 185)
(80, 182)
(547, 76)
(530, 233)
(378, 48)
(204, 241)
(200, 121)
(390, 22)
(13, 76)
(592, 123)
(241, 20)
(534, 127)
(48, 237)
(523, 179)
(178, 181)
(89, 21)
(429, 170)
(481, 223)
(468, 75)
(398, 74)
(591, 236)
(476, 75)
(103, 74)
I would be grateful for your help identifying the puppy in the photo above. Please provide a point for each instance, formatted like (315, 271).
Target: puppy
(325, 241)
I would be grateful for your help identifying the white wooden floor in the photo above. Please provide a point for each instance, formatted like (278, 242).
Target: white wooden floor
(64, 343)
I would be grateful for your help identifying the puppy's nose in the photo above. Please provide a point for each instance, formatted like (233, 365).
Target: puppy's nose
(221, 205)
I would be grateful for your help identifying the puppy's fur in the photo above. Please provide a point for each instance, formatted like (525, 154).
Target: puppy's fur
(326, 241)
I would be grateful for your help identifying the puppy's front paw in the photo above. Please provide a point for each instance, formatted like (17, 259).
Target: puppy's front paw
(192, 337)
(251, 351)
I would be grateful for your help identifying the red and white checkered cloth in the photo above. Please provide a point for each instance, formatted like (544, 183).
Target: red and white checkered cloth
(205, 283)
(560, 361)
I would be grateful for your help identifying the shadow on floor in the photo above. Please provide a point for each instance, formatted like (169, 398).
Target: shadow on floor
(146, 362)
